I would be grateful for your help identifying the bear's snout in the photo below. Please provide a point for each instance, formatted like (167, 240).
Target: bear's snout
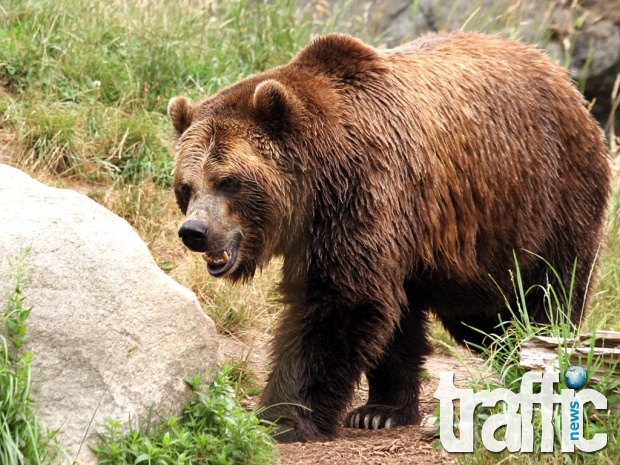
(194, 235)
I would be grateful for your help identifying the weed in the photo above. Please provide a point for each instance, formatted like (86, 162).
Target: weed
(21, 439)
(245, 379)
(502, 358)
(214, 429)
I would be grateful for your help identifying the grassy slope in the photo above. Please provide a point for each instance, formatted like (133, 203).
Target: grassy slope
(86, 87)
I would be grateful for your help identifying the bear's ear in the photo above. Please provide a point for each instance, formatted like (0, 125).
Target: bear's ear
(340, 55)
(274, 102)
(181, 112)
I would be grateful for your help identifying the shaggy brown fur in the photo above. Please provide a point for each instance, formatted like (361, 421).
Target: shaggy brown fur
(393, 182)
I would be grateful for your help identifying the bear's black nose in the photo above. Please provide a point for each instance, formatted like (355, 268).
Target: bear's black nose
(194, 235)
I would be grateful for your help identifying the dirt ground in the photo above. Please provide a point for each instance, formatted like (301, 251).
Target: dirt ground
(401, 445)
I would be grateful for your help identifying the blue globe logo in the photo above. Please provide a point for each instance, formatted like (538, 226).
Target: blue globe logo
(575, 377)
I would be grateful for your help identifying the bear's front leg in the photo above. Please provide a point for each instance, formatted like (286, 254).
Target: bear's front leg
(394, 381)
(320, 350)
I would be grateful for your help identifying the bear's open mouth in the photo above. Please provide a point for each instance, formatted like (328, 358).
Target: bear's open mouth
(221, 261)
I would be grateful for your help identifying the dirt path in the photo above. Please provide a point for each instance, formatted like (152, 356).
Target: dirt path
(402, 445)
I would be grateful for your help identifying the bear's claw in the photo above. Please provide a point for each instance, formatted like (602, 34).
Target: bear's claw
(378, 417)
(370, 421)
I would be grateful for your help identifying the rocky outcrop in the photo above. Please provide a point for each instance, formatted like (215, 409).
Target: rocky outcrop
(582, 35)
(112, 334)
(590, 37)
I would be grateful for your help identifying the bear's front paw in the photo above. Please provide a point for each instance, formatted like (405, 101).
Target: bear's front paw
(375, 416)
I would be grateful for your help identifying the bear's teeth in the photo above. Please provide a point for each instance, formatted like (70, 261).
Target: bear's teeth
(216, 261)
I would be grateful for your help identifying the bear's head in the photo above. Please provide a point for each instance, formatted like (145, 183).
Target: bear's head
(232, 178)
(245, 157)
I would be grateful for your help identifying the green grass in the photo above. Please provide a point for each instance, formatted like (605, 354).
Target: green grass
(22, 441)
(120, 54)
(88, 83)
(502, 361)
(214, 429)
(605, 305)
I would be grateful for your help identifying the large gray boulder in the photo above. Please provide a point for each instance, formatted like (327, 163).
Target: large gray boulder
(112, 334)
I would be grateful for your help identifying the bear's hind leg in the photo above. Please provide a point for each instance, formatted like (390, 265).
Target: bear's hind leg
(394, 382)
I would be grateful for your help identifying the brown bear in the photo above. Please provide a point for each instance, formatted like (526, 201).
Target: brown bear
(394, 183)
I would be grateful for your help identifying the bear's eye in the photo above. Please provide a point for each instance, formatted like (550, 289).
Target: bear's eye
(183, 194)
(229, 184)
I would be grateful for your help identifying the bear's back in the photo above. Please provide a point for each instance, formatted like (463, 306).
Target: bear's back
(460, 128)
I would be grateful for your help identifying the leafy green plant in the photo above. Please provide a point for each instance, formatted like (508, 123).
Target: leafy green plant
(21, 439)
(214, 429)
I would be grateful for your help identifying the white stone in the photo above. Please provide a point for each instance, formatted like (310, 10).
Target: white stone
(112, 334)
